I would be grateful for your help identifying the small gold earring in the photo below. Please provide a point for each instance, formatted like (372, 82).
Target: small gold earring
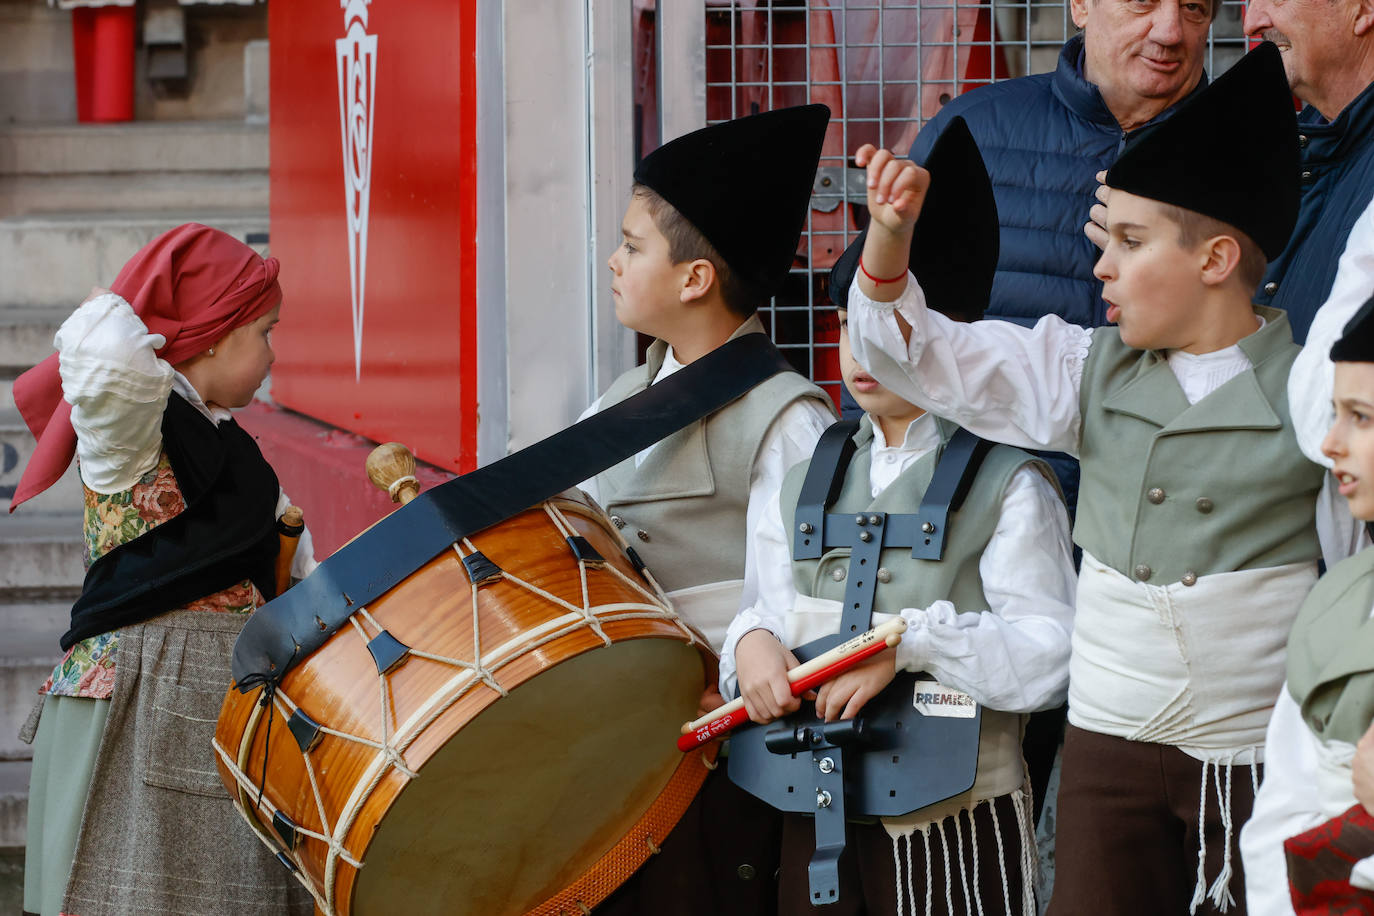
(210, 352)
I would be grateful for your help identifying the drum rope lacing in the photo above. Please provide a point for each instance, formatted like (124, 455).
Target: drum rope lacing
(396, 740)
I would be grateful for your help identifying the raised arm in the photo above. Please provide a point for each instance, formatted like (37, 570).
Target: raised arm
(999, 380)
(118, 389)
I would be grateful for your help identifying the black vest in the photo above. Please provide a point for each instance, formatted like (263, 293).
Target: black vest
(227, 532)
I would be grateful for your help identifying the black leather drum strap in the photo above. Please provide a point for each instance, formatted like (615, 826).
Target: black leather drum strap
(300, 621)
(821, 487)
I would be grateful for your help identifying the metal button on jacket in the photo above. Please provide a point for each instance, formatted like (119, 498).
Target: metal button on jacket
(1143, 572)
(1271, 287)
(617, 521)
(642, 534)
(1189, 578)
(837, 574)
(1155, 495)
(884, 575)
(1302, 140)
(1205, 505)
(746, 872)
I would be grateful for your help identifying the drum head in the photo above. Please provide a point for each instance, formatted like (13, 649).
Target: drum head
(528, 795)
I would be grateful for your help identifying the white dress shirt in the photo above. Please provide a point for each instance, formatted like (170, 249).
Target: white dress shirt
(1021, 385)
(118, 389)
(1307, 781)
(1011, 656)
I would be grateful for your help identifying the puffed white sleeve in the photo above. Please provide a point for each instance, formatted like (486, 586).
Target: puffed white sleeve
(1014, 654)
(791, 439)
(996, 379)
(775, 590)
(1310, 381)
(118, 390)
(1287, 804)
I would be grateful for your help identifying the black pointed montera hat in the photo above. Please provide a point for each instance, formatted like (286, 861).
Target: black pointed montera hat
(1357, 337)
(955, 243)
(745, 185)
(1230, 152)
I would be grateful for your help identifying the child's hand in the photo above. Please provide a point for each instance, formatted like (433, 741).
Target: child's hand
(762, 663)
(710, 701)
(843, 696)
(1362, 771)
(1096, 227)
(896, 188)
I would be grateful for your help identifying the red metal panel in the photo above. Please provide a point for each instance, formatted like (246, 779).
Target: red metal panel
(379, 331)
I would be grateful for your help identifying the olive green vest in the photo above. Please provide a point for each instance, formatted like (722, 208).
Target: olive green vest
(1172, 491)
(1331, 652)
(913, 583)
(684, 508)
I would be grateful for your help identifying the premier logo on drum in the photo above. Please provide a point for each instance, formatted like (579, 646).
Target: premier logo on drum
(357, 73)
(934, 699)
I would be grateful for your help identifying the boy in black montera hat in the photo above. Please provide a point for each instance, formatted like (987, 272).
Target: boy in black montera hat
(1196, 512)
(709, 235)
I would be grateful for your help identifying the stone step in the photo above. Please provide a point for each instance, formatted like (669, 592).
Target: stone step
(54, 260)
(16, 447)
(141, 146)
(40, 552)
(14, 801)
(28, 652)
(26, 338)
(172, 190)
(144, 166)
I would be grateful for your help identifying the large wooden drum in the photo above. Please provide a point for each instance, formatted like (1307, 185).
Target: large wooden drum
(519, 757)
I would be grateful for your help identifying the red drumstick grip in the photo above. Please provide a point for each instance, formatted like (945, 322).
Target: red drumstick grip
(731, 720)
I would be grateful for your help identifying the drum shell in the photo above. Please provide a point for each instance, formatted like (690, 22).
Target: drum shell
(431, 704)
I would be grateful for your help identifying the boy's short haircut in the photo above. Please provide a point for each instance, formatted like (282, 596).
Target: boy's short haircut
(686, 243)
(1195, 227)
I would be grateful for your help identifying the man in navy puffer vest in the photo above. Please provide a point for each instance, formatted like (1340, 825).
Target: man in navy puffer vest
(1328, 53)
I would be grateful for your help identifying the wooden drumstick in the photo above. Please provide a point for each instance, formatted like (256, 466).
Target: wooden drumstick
(391, 467)
(289, 528)
(803, 677)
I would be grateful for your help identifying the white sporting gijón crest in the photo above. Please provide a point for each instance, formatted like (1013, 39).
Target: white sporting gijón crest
(357, 65)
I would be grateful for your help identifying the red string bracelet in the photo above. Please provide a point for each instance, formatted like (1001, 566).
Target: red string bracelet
(900, 276)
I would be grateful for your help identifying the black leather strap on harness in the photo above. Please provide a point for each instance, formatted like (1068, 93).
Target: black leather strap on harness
(891, 760)
(300, 621)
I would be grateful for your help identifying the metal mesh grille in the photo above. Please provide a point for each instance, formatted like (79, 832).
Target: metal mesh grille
(884, 67)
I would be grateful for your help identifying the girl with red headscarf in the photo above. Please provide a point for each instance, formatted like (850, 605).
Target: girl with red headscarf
(126, 811)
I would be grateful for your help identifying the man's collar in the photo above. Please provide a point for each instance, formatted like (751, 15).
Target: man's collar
(1083, 97)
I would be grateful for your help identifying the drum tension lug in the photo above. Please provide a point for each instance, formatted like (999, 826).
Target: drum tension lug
(584, 552)
(480, 569)
(286, 829)
(387, 651)
(305, 730)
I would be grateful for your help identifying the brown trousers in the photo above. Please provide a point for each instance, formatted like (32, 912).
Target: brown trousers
(1126, 839)
(868, 872)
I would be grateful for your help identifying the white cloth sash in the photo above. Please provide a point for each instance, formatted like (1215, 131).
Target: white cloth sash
(1196, 667)
(709, 607)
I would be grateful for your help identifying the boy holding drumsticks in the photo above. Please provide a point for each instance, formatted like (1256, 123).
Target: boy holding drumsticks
(990, 619)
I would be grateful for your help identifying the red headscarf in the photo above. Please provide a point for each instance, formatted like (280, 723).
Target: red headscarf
(192, 285)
